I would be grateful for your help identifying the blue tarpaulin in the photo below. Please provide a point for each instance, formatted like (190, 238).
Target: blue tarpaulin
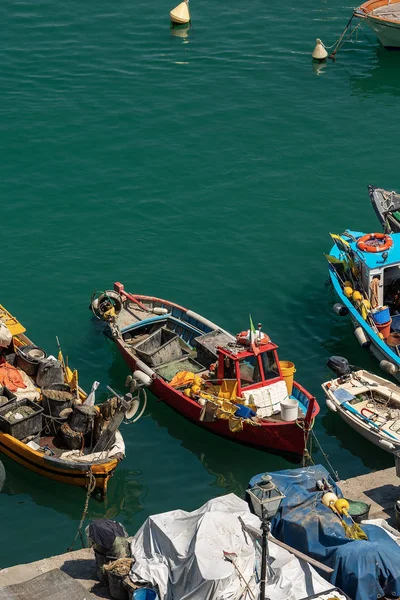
(365, 570)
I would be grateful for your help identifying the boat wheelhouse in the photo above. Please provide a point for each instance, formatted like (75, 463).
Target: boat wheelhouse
(234, 386)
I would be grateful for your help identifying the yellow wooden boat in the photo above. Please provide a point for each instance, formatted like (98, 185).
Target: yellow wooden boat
(44, 457)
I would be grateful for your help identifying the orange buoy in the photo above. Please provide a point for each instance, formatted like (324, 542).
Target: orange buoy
(375, 242)
(260, 339)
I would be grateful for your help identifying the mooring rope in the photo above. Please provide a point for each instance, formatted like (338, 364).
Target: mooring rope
(90, 489)
(334, 473)
(342, 40)
(307, 453)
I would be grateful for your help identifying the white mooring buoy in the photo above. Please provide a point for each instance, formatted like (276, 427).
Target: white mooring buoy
(319, 52)
(180, 14)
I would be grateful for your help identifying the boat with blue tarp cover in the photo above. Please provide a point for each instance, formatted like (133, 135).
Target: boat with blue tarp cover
(363, 569)
(233, 386)
(365, 272)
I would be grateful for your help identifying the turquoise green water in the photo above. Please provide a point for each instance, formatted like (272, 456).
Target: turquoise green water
(207, 170)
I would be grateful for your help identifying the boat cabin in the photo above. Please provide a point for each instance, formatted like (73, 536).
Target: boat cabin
(250, 371)
(378, 268)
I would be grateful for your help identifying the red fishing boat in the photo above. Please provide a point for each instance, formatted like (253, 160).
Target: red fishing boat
(234, 386)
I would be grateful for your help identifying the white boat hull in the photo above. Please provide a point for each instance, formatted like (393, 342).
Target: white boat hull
(382, 436)
(388, 32)
(369, 435)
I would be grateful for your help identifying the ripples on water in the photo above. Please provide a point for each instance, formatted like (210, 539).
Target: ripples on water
(206, 166)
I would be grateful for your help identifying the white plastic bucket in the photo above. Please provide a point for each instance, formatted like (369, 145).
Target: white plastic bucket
(289, 409)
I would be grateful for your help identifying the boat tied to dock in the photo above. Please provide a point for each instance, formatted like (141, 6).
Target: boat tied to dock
(365, 273)
(48, 423)
(368, 403)
(233, 386)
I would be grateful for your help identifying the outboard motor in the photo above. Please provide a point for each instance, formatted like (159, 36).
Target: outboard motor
(339, 365)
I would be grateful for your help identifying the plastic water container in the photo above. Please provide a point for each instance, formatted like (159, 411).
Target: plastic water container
(244, 411)
(145, 594)
(381, 315)
(289, 409)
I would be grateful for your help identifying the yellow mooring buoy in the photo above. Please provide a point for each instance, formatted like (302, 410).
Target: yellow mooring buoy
(180, 14)
(319, 52)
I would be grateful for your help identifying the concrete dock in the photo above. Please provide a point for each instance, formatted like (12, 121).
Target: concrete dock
(380, 489)
(80, 565)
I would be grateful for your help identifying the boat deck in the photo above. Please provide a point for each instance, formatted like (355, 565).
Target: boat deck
(132, 313)
(389, 414)
(390, 12)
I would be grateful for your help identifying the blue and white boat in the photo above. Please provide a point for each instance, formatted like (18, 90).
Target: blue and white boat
(365, 273)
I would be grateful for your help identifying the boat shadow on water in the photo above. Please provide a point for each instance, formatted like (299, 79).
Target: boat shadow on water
(125, 494)
(378, 77)
(372, 457)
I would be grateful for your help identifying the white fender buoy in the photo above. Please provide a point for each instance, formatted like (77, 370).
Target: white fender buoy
(331, 405)
(159, 310)
(340, 309)
(361, 337)
(387, 445)
(389, 367)
(180, 14)
(142, 377)
(319, 52)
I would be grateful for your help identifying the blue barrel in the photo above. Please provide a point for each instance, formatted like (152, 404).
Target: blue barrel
(381, 315)
(145, 594)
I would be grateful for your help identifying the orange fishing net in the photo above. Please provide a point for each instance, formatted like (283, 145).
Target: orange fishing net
(10, 377)
(183, 378)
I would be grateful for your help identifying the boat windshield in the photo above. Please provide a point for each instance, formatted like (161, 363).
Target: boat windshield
(270, 367)
(249, 370)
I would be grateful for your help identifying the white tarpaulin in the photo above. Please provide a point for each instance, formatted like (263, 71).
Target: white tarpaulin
(182, 553)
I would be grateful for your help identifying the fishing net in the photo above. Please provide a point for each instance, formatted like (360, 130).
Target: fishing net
(122, 566)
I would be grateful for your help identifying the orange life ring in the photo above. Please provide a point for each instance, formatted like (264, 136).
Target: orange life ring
(243, 338)
(375, 242)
